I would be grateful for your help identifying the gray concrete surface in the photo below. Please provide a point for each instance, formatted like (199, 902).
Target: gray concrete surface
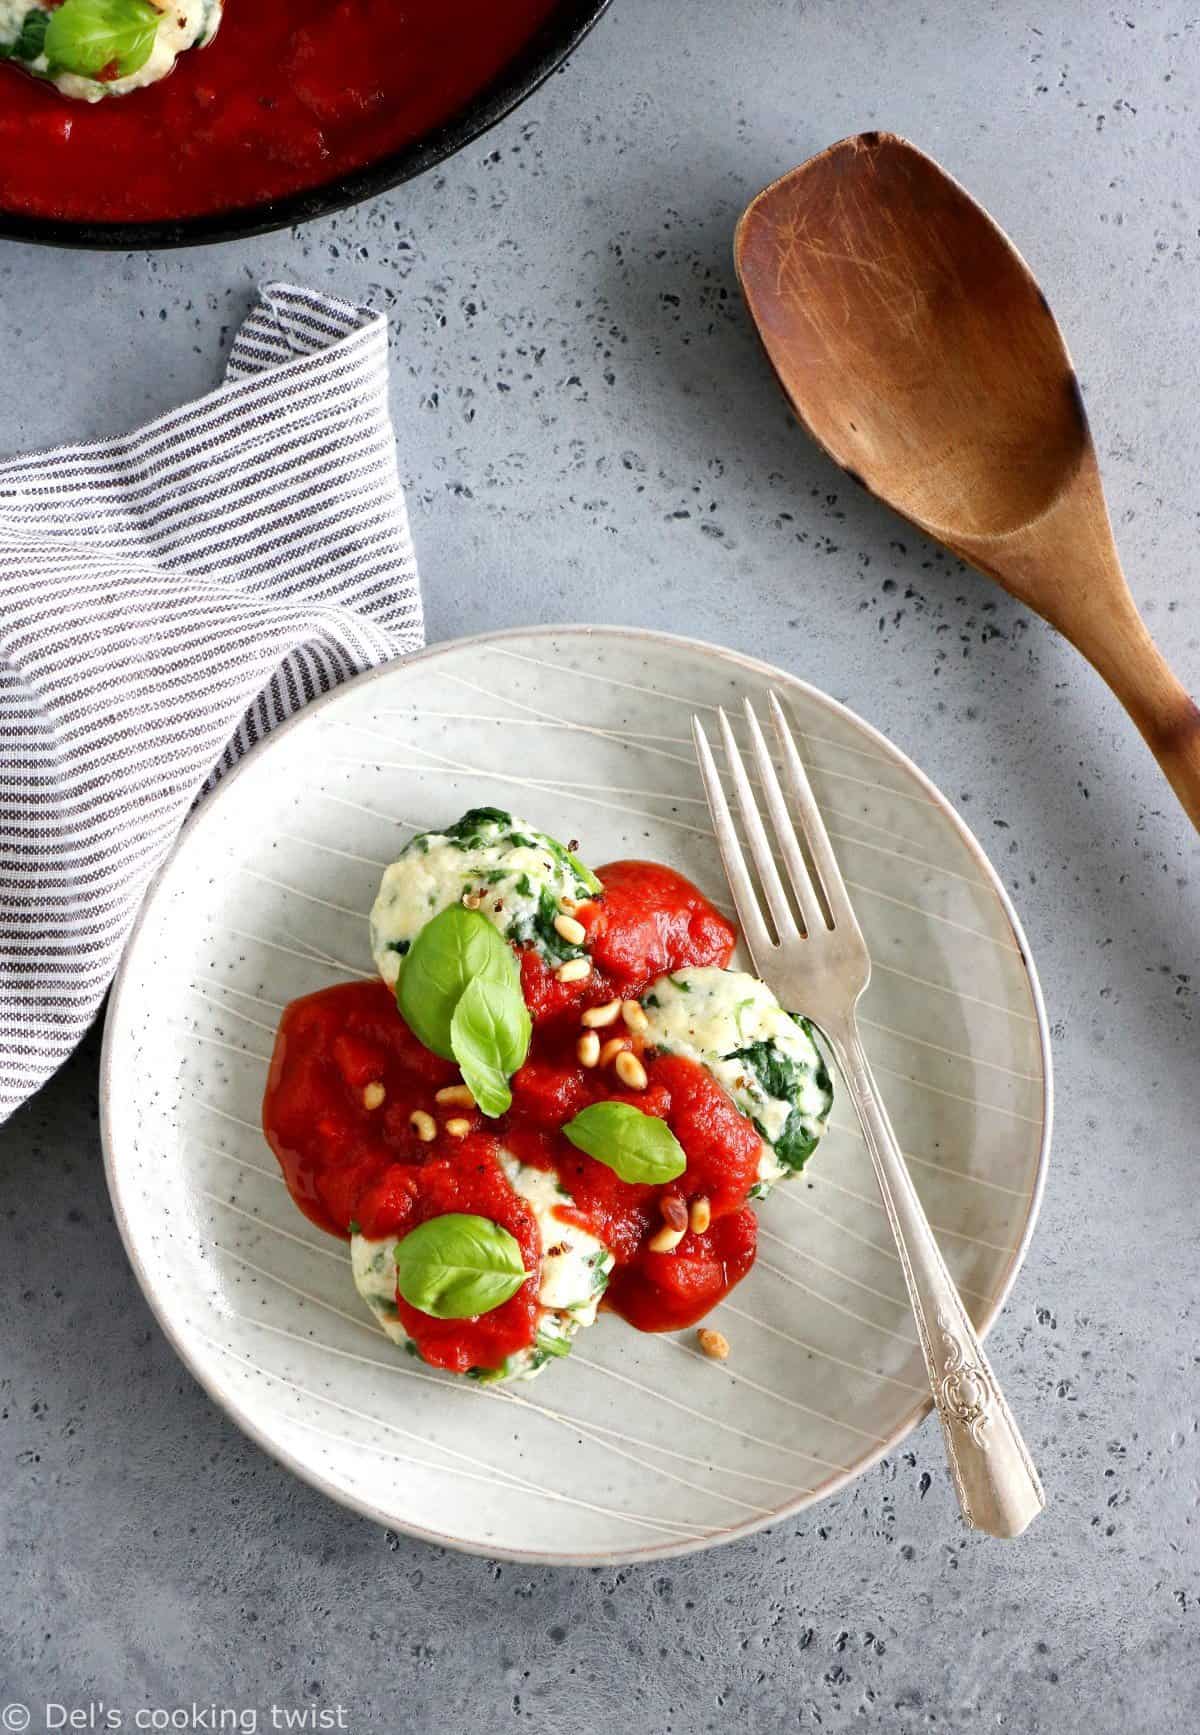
(587, 432)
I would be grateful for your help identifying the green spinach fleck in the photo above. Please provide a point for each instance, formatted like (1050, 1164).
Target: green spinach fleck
(539, 930)
(783, 1078)
(549, 1345)
(31, 39)
(489, 1376)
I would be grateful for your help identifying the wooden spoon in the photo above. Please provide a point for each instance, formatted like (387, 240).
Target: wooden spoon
(917, 349)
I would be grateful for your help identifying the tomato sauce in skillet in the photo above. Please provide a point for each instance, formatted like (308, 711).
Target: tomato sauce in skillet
(290, 94)
(346, 1164)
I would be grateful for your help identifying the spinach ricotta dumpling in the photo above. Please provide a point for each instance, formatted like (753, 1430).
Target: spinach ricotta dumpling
(504, 868)
(507, 1162)
(732, 1024)
(90, 49)
(574, 1275)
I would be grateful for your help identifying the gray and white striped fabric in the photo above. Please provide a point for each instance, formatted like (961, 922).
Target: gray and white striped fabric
(167, 598)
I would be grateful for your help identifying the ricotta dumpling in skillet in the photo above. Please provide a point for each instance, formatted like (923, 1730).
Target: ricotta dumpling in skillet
(731, 1024)
(574, 1275)
(490, 861)
(91, 49)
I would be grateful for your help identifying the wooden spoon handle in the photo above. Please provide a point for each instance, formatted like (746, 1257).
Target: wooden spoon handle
(1163, 710)
(1168, 718)
(1065, 565)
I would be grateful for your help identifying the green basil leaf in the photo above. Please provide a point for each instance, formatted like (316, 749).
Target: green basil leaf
(489, 1034)
(449, 953)
(90, 36)
(458, 1266)
(636, 1146)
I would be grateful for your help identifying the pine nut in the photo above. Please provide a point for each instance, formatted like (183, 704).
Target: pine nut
(665, 1240)
(471, 900)
(573, 932)
(587, 1049)
(674, 1211)
(373, 1094)
(633, 1015)
(574, 970)
(567, 905)
(630, 1071)
(423, 1125)
(458, 1129)
(713, 1343)
(596, 1017)
(454, 1096)
(701, 1216)
(614, 1046)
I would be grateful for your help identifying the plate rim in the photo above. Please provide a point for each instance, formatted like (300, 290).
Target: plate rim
(226, 1399)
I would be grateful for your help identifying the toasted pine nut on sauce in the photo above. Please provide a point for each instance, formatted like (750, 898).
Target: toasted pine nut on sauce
(614, 1046)
(713, 1343)
(665, 1240)
(573, 932)
(574, 970)
(587, 1049)
(373, 1094)
(630, 1071)
(635, 1018)
(454, 1096)
(597, 1017)
(674, 1211)
(458, 1129)
(567, 905)
(423, 1125)
(701, 1216)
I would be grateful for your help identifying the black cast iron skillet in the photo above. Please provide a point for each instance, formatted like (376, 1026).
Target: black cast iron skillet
(541, 55)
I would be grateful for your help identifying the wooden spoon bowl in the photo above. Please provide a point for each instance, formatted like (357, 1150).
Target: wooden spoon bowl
(916, 347)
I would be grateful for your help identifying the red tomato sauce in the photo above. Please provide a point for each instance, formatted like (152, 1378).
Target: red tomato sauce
(345, 1163)
(289, 95)
(466, 1178)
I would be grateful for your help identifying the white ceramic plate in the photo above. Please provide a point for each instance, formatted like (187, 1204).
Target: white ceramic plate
(637, 1445)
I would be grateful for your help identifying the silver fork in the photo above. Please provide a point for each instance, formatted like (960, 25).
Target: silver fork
(822, 971)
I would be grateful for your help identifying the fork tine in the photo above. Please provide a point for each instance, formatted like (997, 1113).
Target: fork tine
(785, 832)
(756, 834)
(829, 874)
(740, 884)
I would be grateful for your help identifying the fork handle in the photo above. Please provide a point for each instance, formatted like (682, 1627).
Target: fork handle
(998, 1487)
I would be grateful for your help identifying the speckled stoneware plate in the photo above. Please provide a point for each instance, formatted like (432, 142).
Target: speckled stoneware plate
(636, 1445)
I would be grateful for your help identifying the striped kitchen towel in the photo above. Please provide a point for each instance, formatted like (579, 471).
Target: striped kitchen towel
(166, 598)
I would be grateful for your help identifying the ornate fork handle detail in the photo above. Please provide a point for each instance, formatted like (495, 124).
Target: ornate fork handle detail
(997, 1485)
(966, 1391)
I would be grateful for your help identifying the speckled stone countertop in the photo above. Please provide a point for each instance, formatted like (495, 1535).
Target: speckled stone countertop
(587, 431)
